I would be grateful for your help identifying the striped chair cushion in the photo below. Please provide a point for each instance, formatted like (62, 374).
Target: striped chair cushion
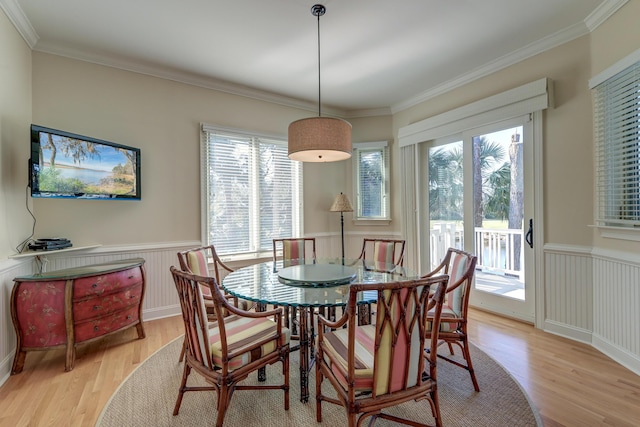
(198, 265)
(243, 332)
(454, 299)
(383, 252)
(336, 344)
(457, 269)
(293, 249)
(445, 326)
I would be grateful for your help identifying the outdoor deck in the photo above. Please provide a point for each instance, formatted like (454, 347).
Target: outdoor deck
(505, 285)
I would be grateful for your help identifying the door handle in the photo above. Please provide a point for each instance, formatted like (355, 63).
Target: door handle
(529, 236)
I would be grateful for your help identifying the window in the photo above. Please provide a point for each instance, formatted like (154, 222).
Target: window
(617, 138)
(371, 180)
(252, 192)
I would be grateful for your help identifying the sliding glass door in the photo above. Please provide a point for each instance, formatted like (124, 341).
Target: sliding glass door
(480, 200)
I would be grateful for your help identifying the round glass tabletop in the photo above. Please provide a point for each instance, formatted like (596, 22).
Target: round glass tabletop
(263, 283)
(317, 275)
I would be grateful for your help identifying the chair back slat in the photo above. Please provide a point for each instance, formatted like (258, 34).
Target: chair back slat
(399, 346)
(382, 251)
(295, 249)
(458, 270)
(194, 314)
(197, 260)
(400, 332)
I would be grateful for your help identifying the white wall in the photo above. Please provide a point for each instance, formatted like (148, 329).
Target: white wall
(15, 118)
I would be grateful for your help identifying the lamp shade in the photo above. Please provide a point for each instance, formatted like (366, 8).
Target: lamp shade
(320, 139)
(341, 204)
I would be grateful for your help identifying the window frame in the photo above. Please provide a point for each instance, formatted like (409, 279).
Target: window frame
(383, 148)
(256, 139)
(621, 79)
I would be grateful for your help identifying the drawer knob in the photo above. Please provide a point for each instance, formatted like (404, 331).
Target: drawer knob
(129, 317)
(95, 285)
(96, 307)
(131, 277)
(96, 328)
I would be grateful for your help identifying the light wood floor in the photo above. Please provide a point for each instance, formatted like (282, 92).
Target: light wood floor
(570, 383)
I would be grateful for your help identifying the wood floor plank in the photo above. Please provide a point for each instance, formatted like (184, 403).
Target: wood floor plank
(571, 384)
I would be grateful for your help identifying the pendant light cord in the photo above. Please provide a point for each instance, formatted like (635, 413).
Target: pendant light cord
(318, 10)
(319, 93)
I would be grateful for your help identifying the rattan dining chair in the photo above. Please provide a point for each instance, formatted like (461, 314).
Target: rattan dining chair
(376, 366)
(196, 261)
(293, 250)
(382, 253)
(227, 351)
(460, 266)
(389, 251)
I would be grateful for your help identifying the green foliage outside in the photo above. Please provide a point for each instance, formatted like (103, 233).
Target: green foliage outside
(120, 182)
(50, 180)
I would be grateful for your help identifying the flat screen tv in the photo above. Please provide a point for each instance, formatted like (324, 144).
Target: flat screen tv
(66, 165)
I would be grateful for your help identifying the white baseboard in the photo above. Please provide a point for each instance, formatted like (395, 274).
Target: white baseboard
(567, 331)
(497, 309)
(161, 312)
(626, 359)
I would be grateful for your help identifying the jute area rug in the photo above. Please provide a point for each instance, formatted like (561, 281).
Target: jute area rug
(147, 397)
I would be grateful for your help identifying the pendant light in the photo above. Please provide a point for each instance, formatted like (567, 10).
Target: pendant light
(319, 139)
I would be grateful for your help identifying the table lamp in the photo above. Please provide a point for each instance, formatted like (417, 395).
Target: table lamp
(341, 204)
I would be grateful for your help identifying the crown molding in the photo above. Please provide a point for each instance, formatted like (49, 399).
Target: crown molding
(596, 18)
(183, 77)
(19, 20)
(607, 8)
(603, 12)
(542, 45)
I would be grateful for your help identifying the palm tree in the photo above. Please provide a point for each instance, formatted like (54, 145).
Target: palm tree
(485, 156)
(445, 184)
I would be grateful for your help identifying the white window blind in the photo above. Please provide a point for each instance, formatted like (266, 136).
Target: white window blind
(252, 192)
(371, 169)
(617, 136)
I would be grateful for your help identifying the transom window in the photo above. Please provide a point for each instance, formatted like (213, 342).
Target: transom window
(251, 191)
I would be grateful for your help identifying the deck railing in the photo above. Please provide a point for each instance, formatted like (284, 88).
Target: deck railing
(499, 251)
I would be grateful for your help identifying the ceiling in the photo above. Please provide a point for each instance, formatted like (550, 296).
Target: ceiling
(377, 56)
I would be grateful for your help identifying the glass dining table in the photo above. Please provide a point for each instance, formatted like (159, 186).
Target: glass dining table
(307, 287)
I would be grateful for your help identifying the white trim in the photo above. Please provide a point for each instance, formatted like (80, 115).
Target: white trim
(373, 144)
(567, 331)
(145, 247)
(619, 66)
(211, 128)
(620, 355)
(538, 214)
(603, 12)
(370, 222)
(515, 102)
(621, 233)
(20, 21)
(629, 258)
(567, 249)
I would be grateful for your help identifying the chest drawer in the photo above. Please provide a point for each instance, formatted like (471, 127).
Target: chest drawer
(98, 306)
(103, 325)
(106, 283)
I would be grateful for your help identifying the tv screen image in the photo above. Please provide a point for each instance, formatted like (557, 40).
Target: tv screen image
(67, 165)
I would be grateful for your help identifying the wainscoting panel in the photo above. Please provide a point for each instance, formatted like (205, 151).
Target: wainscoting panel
(9, 269)
(568, 291)
(616, 319)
